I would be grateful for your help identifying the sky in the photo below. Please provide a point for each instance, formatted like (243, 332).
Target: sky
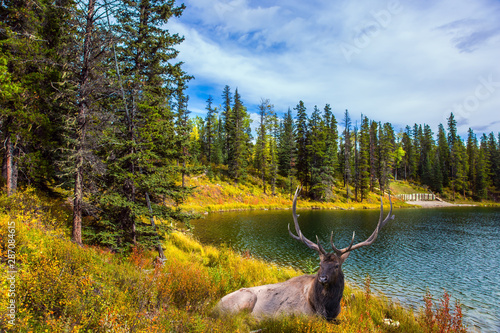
(396, 61)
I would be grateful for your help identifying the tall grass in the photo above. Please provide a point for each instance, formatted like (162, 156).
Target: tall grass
(62, 287)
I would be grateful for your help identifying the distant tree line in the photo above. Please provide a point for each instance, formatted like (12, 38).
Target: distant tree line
(319, 153)
(93, 101)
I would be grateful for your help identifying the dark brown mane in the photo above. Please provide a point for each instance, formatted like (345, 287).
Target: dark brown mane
(325, 300)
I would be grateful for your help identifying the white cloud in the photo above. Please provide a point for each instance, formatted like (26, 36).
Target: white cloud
(412, 63)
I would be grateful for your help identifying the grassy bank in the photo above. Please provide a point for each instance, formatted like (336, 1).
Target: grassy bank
(216, 195)
(61, 287)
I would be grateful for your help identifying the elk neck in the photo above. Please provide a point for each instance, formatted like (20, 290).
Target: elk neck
(325, 298)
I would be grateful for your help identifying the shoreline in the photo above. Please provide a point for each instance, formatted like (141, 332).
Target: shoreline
(437, 204)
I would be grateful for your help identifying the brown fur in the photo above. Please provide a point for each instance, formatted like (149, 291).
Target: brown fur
(319, 294)
(300, 295)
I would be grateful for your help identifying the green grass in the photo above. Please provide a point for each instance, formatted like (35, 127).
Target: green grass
(404, 187)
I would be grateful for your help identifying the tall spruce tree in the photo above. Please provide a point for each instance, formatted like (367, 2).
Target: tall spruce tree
(31, 126)
(264, 137)
(226, 123)
(321, 178)
(374, 154)
(482, 170)
(210, 135)
(444, 155)
(347, 152)
(301, 144)
(92, 85)
(387, 154)
(436, 178)
(139, 145)
(472, 154)
(364, 158)
(493, 154)
(453, 146)
(239, 138)
(408, 148)
(273, 149)
(286, 148)
(330, 161)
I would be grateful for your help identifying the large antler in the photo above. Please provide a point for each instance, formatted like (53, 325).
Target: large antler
(373, 236)
(316, 247)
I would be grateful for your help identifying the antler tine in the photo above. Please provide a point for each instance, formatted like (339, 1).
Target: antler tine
(340, 252)
(300, 237)
(381, 223)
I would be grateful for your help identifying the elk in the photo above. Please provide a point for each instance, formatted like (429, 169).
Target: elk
(318, 294)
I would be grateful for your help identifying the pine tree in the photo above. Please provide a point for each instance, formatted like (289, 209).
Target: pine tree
(452, 139)
(444, 155)
(347, 152)
(263, 148)
(408, 148)
(355, 179)
(374, 154)
(301, 144)
(226, 123)
(417, 138)
(273, 150)
(472, 153)
(239, 136)
(400, 153)
(330, 161)
(286, 148)
(481, 170)
(139, 145)
(210, 135)
(426, 145)
(436, 177)
(30, 36)
(364, 158)
(183, 132)
(493, 157)
(461, 165)
(387, 154)
(316, 147)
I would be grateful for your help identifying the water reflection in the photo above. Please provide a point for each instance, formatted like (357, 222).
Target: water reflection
(452, 249)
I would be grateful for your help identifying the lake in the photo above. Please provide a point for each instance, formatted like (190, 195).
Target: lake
(452, 249)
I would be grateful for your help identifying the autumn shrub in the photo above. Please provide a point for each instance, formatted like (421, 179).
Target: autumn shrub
(440, 317)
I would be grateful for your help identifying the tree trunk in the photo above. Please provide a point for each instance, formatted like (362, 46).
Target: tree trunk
(152, 219)
(77, 208)
(9, 169)
(84, 92)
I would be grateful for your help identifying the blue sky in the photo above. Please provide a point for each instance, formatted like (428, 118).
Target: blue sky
(393, 61)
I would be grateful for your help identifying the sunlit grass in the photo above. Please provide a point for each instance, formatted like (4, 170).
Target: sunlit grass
(216, 195)
(62, 287)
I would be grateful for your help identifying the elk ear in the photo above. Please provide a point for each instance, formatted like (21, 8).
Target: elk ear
(344, 257)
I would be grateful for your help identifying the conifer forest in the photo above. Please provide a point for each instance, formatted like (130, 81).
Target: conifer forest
(93, 101)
